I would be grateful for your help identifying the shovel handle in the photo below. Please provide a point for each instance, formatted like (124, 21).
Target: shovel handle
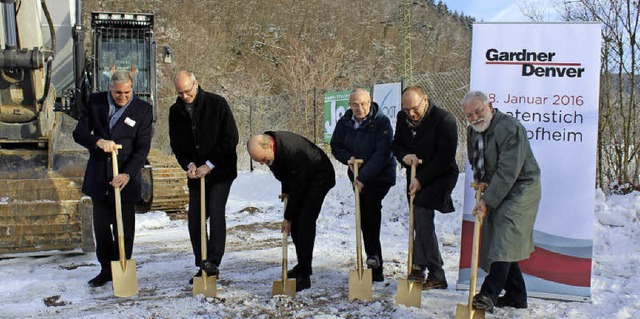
(285, 249)
(203, 221)
(118, 202)
(477, 226)
(411, 222)
(356, 164)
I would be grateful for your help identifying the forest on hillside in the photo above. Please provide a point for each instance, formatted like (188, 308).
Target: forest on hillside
(255, 49)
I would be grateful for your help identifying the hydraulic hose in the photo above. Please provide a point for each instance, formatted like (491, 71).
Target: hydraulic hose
(52, 31)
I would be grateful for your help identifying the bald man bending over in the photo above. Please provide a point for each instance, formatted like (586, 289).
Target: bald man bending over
(307, 175)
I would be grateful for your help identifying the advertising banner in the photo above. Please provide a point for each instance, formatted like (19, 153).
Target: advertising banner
(388, 97)
(547, 76)
(335, 105)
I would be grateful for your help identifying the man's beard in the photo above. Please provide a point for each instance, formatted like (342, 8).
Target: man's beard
(481, 127)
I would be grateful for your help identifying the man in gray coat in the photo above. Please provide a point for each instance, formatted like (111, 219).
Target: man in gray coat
(500, 155)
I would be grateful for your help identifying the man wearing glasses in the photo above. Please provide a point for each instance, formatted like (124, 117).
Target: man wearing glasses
(364, 132)
(428, 133)
(203, 136)
(501, 156)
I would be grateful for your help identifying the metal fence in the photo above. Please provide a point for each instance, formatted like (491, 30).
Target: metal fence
(302, 112)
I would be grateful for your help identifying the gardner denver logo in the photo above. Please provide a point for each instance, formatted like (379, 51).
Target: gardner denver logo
(540, 64)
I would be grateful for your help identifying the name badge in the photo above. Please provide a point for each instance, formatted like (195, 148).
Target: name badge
(130, 122)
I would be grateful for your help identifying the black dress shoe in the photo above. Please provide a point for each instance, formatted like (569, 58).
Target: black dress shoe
(295, 272)
(303, 283)
(373, 262)
(210, 273)
(211, 268)
(100, 280)
(483, 302)
(433, 283)
(506, 301)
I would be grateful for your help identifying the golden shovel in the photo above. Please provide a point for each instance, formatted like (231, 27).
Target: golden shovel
(409, 292)
(205, 284)
(360, 280)
(467, 311)
(125, 278)
(284, 286)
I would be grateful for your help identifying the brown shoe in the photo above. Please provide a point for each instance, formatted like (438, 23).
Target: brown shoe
(417, 274)
(431, 283)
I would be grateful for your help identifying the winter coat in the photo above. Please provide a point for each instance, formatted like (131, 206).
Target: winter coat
(300, 166)
(513, 191)
(211, 136)
(133, 131)
(371, 142)
(435, 142)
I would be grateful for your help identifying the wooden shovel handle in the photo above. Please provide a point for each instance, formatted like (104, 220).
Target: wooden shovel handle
(285, 235)
(118, 203)
(411, 221)
(356, 164)
(203, 222)
(475, 254)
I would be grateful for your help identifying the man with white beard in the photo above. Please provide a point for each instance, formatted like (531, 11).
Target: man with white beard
(500, 155)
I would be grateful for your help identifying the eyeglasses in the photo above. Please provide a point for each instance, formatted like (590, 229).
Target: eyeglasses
(478, 112)
(187, 92)
(414, 109)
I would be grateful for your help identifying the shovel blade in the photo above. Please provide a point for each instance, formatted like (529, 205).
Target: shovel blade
(286, 287)
(467, 312)
(361, 287)
(125, 281)
(205, 285)
(409, 293)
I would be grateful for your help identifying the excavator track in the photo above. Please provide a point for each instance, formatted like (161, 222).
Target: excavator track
(44, 214)
(164, 184)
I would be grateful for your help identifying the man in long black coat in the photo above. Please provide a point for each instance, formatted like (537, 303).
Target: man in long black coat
(428, 133)
(111, 118)
(306, 175)
(203, 136)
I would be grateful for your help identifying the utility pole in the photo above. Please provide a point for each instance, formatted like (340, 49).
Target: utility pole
(406, 42)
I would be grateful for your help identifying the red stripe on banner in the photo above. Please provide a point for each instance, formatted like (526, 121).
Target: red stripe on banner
(544, 264)
(568, 270)
(466, 244)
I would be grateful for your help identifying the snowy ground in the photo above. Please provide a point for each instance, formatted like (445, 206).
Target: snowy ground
(55, 286)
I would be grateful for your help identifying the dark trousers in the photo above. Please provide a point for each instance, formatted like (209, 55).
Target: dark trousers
(216, 195)
(371, 216)
(303, 227)
(104, 218)
(426, 252)
(507, 276)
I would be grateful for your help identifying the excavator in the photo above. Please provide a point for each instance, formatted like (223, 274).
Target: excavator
(46, 75)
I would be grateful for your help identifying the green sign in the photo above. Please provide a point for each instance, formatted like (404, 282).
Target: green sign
(335, 105)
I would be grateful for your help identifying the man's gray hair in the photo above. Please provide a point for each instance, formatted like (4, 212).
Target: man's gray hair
(190, 74)
(475, 95)
(121, 76)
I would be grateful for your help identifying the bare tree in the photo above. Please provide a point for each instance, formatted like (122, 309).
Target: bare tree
(619, 134)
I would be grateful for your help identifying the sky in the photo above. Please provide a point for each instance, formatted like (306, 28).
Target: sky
(498, 10)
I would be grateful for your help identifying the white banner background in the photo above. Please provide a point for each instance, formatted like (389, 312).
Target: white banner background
(387, 96)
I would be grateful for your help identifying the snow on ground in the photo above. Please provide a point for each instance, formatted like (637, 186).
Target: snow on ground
(55, 286)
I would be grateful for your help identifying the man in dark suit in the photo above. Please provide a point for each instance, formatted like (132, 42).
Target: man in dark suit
(117, 117)
(204, 137)
(307, 175)
(428, 133)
